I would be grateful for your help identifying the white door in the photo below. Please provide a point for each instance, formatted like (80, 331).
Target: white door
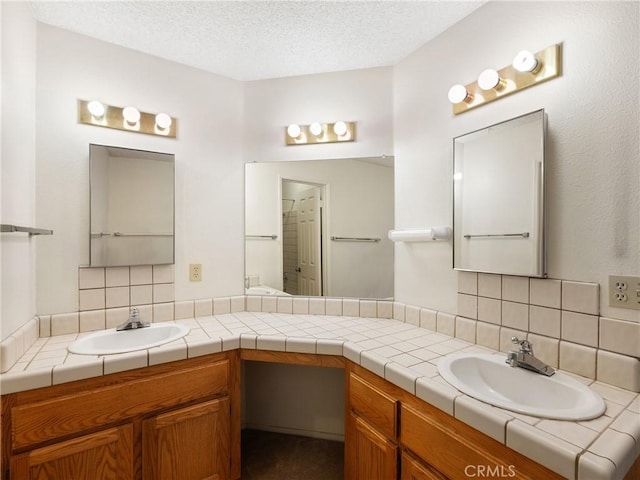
(309, 256)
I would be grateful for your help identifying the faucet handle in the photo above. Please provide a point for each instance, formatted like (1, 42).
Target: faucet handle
(525, 345)
(134, 313)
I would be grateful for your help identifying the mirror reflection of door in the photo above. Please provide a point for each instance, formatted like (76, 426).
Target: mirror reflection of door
(302, 238)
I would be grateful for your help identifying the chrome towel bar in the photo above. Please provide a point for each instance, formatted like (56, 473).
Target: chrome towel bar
(272, 237)
(356, 239)
(4, 228)
(488, 235)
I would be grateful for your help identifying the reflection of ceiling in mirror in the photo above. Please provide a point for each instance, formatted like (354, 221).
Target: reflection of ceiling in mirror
(139, 154)
(384, 160)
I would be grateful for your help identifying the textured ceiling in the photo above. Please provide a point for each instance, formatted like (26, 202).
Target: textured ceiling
(251, 40)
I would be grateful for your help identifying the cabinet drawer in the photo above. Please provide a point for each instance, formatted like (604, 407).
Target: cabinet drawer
(70, 414)
(457, 450)
(440, 447)
(374, 405)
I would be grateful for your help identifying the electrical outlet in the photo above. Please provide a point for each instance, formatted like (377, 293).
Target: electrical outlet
(195, 272)
(624, 291)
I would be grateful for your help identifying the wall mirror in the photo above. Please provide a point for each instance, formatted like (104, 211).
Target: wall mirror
(319, 228)
(131, 206)
(499, 198)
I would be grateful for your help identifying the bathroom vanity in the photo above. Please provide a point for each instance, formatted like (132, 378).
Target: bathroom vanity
(180, 415)
(177, 420)
(182, 420)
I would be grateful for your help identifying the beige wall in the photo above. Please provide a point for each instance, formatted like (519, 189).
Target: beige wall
(18, 153)
(208, 154)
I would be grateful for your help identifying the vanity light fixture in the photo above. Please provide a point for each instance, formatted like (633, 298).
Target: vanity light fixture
(458, 94)
(131, 115)
(96, 109)
(294, 130)
(526, 70)
(340, 128)
(490, 79)
(320, 133)
(128, 118)
(525, 61)
(316, 129)
(163, 121)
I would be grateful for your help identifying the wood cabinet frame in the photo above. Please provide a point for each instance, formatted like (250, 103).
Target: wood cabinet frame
(32, 430)
(36, 419)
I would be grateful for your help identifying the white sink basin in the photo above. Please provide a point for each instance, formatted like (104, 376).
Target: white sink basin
(108, 342)
(488, 378)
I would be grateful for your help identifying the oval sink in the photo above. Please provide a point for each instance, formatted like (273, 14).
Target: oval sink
(488, 378)
(108, 342)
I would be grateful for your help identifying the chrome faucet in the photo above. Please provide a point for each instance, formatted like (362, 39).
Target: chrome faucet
(133, 322)
(524, 358)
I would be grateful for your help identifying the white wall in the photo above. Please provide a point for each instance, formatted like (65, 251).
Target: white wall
(18, 153)
(593, 173)
(362, 96)
(208, 152)
(295, 399)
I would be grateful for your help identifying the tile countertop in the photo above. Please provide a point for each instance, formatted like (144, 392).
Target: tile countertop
(402, 353)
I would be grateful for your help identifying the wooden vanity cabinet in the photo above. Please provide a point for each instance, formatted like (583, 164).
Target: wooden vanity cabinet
(178, 420)
(371, 448)
(188, 443)
(389, 426)
(105, 455)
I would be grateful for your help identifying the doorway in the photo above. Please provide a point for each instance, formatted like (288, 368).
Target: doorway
(303, 245)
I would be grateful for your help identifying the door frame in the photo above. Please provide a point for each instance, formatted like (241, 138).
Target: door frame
(325, 246)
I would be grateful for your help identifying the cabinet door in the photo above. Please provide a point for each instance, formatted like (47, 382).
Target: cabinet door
(412, 469)
(191, 443)
(370, 455)
(107, 455)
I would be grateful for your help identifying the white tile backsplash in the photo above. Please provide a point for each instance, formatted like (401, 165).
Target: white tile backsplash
(92, 299)
(141, 294)
(117, 277)
(545, 292)
(468, 283)
(545, 321)
(489, 310)
(581, 297)
(91, 278)
(141, 275)
(489, 285)
(117, 297)
(515, 289)
(620, 336)
(579, 328)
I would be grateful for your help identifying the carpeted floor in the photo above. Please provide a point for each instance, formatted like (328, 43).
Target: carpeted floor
(276, 456)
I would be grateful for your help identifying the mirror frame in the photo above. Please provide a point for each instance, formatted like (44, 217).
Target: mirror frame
(540, 268)
(173, 215)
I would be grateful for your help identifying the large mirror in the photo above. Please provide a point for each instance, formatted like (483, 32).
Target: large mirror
(132, 213)
(499, 198)
(319, 228)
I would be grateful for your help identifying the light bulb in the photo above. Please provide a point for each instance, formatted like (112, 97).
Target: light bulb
(316, 129)
(340, 128)
(131, 114)
(458, 94)
(163, 121)
(488, 79)
(294, 130)
(524, 61)
(96, 109)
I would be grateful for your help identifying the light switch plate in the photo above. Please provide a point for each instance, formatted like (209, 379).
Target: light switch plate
(624, 291)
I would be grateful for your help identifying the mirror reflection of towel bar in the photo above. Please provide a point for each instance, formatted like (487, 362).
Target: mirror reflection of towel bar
(488, 235)
(4, 228)
(272, 237)
(355, 239)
